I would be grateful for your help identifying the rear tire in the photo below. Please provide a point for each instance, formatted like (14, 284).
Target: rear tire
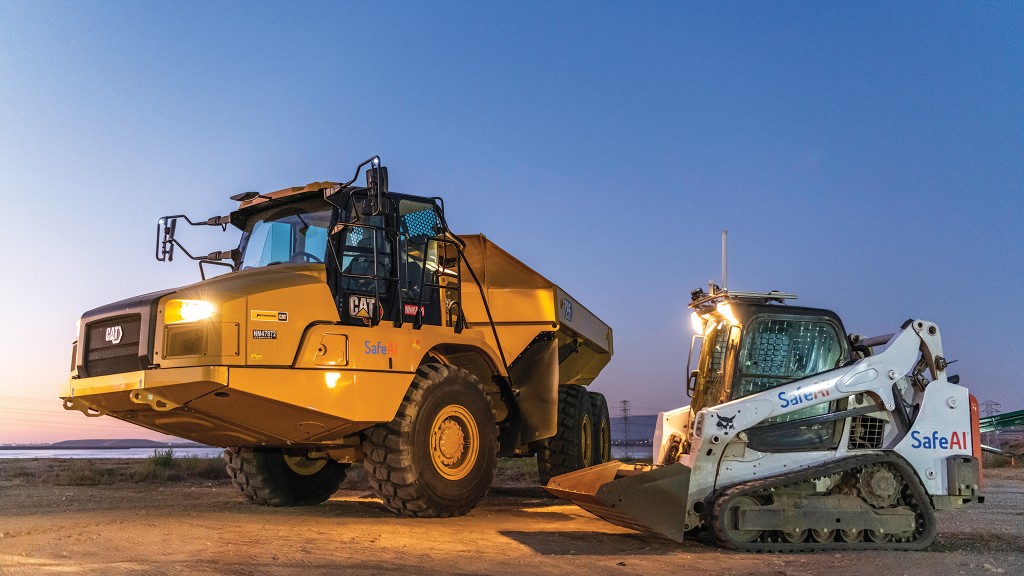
(270, 477)
(438, 456)
(602, 426)
(572, 446)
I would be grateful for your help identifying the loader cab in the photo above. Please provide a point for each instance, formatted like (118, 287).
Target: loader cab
(746, 348)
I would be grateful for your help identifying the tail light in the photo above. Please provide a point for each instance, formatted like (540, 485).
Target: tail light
(976, 439)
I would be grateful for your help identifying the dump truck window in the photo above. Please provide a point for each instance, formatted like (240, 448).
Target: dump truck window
(365, 256)
(427, 268)
(294, 233)
(269, 242)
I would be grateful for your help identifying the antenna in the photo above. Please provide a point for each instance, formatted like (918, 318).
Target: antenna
(725, 267)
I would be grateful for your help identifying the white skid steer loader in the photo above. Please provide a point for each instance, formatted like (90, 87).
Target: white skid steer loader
(798, 436)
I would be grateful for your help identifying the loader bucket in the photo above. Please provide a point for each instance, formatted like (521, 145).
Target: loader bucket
(645, 498)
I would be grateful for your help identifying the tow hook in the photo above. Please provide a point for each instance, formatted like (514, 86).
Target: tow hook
(155, 402)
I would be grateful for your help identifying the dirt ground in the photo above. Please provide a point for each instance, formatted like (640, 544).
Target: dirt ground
(204, 527)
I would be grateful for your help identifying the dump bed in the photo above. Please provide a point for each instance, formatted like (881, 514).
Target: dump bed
(525, 305)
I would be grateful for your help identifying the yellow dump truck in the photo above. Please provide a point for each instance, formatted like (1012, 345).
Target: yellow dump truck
(353, 325)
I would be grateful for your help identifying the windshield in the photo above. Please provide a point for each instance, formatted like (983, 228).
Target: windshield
(294, 233)
(779, 350)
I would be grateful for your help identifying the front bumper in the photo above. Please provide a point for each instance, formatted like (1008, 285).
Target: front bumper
(228, 406)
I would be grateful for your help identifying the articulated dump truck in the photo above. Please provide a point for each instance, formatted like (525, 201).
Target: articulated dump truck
(353, 325)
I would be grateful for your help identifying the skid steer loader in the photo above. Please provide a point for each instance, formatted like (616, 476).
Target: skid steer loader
(798, 436)
(353, 325)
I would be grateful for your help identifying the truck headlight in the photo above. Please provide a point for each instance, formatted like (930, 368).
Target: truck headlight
(187, 311)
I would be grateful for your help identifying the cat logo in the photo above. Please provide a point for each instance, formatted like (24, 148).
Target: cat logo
(114, 334)
(269, 315)
(363, 307)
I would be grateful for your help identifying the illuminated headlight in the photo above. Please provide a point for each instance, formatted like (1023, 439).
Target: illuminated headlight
(188, 311)
(725, 310)
(697, 322)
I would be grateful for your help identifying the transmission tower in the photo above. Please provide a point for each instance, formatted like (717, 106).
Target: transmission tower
(627, 442)
(990, 408)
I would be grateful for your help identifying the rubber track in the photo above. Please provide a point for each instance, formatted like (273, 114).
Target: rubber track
(920, 503)
(388, 462)
(560, 453)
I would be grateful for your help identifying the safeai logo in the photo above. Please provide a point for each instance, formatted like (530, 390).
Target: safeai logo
(379, 348)
(938, 441)
(787, 399)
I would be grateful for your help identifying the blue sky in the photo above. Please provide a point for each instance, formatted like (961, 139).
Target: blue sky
(869, 157)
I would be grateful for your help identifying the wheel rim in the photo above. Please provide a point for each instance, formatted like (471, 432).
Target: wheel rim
(851, 536)
(732, 519)
(304, 466)
(587, 440)
(794, 536)
(823, 536)
(879, 536)
(454, 442)
(606, 441)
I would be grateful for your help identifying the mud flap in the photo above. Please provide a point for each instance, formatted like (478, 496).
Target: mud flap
(644, 498)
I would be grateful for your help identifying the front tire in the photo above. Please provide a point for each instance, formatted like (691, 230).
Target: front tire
(270, 477)
(438, 456)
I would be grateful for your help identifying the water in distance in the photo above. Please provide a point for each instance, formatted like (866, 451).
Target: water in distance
(93, 453)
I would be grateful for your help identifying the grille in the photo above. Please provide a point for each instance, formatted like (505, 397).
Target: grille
(112, 345)
(866, 432)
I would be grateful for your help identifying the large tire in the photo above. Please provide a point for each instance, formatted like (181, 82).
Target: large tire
(438, 456)
(602, 425)
(269, 477)
(571, 448)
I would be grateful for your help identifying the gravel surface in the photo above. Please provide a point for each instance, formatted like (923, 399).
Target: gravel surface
(204, 527)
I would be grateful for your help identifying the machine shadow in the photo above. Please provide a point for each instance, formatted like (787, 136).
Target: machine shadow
(577, 543)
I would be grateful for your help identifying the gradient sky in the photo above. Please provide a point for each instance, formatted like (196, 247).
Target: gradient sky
(867, 156)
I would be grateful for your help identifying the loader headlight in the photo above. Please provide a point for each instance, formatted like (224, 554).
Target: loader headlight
(697, 322)
(726, 311)
(188, 311)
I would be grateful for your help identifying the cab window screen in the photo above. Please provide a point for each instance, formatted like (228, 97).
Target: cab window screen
(776, 351)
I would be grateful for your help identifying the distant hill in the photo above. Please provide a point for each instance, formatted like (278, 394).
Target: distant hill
(94, 443)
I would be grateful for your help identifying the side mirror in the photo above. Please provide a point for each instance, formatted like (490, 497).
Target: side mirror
(377, 186)
(165, 238)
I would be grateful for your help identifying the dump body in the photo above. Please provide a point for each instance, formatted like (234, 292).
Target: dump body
(524, 304)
